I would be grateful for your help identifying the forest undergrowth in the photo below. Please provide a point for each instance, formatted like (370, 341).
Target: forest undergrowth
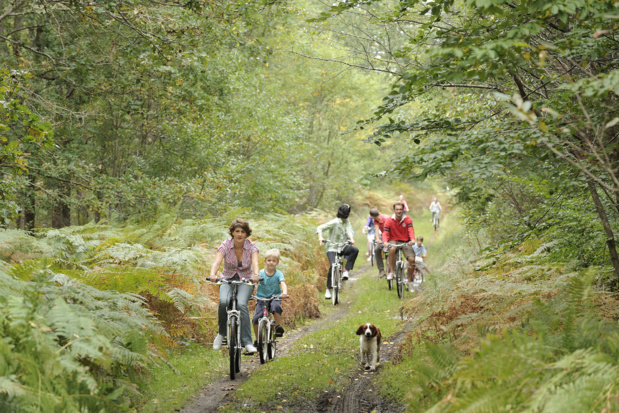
(507, 330)
(88, 311)
(91, 313)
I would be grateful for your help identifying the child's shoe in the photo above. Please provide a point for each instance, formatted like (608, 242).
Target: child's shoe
(279, 331)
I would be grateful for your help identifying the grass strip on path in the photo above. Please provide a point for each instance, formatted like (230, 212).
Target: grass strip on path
(168, 390)
(324, 360)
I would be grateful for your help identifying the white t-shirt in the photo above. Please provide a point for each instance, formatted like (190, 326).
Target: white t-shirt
(435, 206)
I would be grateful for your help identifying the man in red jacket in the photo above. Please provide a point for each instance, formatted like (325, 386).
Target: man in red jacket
(399, 229)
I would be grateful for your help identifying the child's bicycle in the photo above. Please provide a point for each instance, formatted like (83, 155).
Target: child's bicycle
(418, 275)
(233, 336)
(267, 337)
(336, 271)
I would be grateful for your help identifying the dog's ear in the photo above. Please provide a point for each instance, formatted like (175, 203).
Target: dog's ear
(360, 329)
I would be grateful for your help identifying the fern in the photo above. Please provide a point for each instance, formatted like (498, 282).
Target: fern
(66, 339)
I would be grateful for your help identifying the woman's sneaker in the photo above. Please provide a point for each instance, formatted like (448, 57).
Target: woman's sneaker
(345, 275)
(327, 294)
(250, 349)
(390, 276)
(279, 331)
(217, 342)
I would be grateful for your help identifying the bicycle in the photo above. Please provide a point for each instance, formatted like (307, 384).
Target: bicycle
(267, 338)
(233, 335)
(372, 252)
(401, 265)
(418, 274)
(336, 271)
(435, 220)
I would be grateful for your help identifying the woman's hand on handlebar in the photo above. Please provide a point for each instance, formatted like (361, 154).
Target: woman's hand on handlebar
(255, 278)
(213, 278)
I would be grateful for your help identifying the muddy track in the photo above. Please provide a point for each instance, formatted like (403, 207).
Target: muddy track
(220, 392)
(360, 395)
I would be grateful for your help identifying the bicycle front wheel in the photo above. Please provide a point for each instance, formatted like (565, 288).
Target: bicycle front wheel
(232, 347)
(272, 347)
(337, 276)
(399, 277)
(372, 253)
(263, 340)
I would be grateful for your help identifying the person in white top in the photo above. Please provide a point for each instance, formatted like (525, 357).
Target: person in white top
(435, 208)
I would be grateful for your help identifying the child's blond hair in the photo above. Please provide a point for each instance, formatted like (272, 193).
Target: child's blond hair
(272, 253)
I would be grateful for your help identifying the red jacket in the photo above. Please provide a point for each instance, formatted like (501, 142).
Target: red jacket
(399, 231)
(381, 224)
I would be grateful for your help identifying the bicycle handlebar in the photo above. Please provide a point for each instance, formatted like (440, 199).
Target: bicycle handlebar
(272, 298)
(221, 281)
(398, 245)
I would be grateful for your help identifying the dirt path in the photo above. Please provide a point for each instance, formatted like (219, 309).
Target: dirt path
(360, 395)
(219, 393)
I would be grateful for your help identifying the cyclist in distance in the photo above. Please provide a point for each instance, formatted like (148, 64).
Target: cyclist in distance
(379, 227)
(435, 208)
(240, 258)
(399, 229)
(369, 231)
(403, 201)
(340, 231)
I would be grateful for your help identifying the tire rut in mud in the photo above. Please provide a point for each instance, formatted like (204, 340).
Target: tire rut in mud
(220, 393)
(361, 395)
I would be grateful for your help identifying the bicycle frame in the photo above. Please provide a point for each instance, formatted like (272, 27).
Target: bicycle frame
(234, 320)
(401, 265)
(336, 271)
(268, 322)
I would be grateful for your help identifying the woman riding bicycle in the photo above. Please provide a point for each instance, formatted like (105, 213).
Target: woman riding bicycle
(340, 231)
(240, 258)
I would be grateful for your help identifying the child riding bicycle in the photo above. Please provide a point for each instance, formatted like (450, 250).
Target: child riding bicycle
(271, 283)
(420, 255)
(379, 227)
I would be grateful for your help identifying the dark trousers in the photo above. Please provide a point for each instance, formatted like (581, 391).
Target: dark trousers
(350, 253)
(378, 256)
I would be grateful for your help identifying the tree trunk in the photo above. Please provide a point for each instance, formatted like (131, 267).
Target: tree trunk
(98, 208)
(29, 205)
(61, 212)
(610, 237)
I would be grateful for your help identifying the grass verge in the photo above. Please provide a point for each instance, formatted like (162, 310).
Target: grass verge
(168, 390)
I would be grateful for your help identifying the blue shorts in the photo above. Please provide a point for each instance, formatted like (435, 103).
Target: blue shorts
(275, 308)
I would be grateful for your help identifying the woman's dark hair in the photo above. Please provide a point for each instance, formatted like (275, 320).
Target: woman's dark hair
(343, 211)
(239, 223)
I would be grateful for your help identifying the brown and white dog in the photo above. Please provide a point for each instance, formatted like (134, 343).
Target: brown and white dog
(369, 345)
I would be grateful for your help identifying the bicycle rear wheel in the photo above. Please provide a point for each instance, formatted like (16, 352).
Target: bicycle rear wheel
(232, 347)
(263, 341)
(399, 277)
(336, 277)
